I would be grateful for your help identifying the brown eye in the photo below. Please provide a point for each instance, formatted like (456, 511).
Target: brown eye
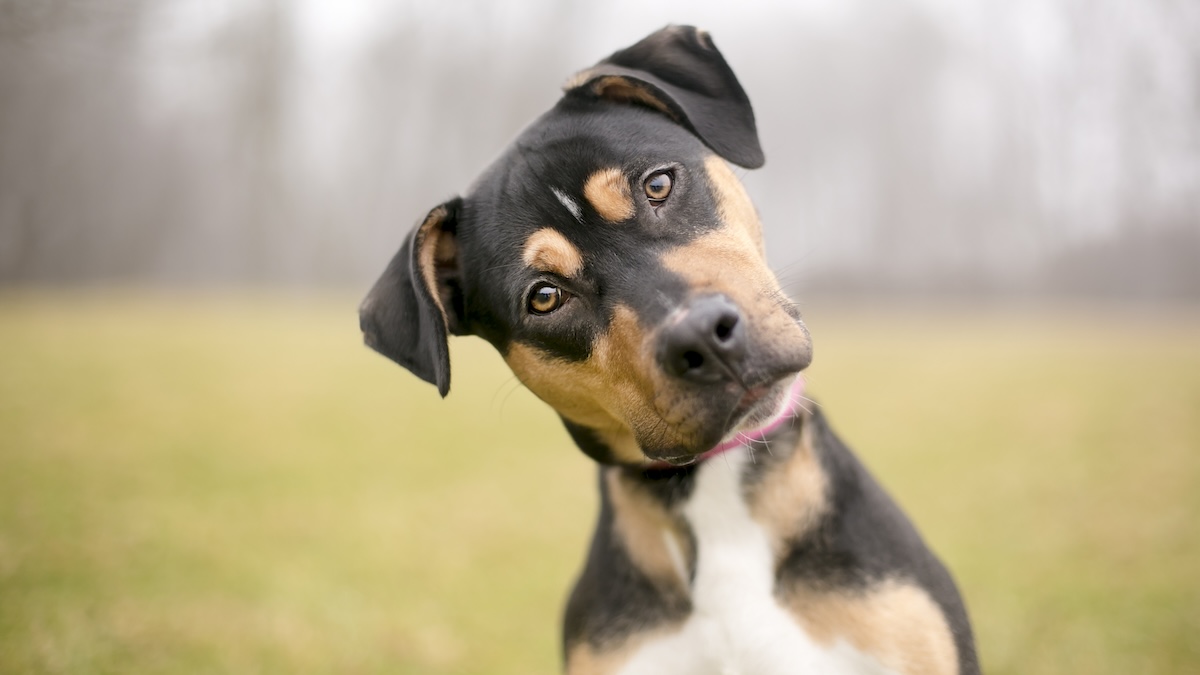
(545, 299)
(658, 186)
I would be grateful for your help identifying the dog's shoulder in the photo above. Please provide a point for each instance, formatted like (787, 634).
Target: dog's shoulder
(797, 535)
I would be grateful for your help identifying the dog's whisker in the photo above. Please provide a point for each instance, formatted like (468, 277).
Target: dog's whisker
(508, 396)
(658, 366)
(500, 388)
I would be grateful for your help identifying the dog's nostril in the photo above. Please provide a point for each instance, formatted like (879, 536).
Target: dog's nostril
(706, 344)
(724, 329)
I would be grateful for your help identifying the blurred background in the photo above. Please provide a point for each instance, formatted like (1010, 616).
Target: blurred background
(1026, 147)
(989, 212)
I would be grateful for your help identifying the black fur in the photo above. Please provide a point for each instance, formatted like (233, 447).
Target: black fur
(613, 599)
(667, 101)
(866, 538)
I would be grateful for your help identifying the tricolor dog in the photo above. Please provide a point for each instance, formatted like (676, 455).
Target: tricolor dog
(613, 258)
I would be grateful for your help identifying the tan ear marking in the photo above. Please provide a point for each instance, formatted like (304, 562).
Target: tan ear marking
(623, 90)
(547, 250)
(434, 247)
(578, 79)
(617, 88)
(607, 190)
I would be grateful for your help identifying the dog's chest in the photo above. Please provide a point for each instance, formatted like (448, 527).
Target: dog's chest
(737, 627)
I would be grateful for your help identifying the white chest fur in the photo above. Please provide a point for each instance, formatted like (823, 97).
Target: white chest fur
(736, 626)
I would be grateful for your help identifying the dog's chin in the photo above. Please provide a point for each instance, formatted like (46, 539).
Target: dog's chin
(749, 410)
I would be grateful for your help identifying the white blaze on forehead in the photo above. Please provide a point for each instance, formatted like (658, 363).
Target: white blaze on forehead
(571, 204)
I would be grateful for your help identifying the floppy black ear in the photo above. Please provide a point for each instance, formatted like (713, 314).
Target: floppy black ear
(678, 71)
(412, 308)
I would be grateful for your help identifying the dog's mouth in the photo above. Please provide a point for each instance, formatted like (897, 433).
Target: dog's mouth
(752, 401)
(757, 413)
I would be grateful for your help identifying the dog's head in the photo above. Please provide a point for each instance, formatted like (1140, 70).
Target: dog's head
(614, 259)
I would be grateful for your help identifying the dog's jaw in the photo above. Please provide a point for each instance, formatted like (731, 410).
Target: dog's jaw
(767, 415)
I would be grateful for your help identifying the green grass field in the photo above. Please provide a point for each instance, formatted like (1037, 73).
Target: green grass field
(204, 483)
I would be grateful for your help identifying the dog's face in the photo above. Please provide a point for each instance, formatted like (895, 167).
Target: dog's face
(614, 259)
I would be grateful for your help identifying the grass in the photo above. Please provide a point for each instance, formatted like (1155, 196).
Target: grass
(231, 483)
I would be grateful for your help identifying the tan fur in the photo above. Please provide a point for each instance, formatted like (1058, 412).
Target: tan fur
(607, 190)
(897, 623)
(624, 90)
(730, 260)
(583, 659)
(618, 88)
(790, 500)
(547, 250)
(579, 79)
(733, 204)
(595, 393)
(434, 247)
(641, 524)
(619, 392)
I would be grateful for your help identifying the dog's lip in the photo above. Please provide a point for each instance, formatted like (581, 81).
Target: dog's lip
(774, 404)
(766, 409)
(749, 399)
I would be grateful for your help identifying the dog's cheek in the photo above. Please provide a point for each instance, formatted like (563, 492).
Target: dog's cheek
(611, 392)
(734, 207)
(566, 386)
(581, 393)
(651, 405)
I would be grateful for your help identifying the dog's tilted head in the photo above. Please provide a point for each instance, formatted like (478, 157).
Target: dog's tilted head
(614, 259)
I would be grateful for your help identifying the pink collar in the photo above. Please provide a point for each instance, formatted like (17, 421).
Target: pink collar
(787, 410)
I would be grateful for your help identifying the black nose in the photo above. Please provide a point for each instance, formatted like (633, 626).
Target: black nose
(707, 343)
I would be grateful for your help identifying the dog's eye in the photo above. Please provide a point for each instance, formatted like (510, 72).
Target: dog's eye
(545, 298)
(658, 186)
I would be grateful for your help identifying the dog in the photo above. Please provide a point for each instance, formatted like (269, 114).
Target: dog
(614, 259)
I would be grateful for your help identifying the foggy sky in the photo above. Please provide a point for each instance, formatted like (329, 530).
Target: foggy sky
(967, 147)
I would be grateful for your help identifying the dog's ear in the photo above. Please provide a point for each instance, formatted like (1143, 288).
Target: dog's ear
(417, 303)
(679, 72)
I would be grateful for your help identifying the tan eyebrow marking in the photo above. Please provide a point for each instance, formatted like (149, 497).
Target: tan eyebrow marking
(547, 250)
(607, 191)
